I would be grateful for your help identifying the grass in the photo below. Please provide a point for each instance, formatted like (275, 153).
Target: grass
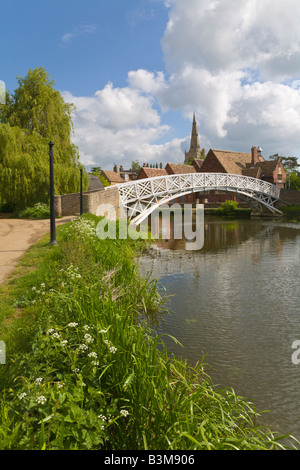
(85, 370)
(291, 213)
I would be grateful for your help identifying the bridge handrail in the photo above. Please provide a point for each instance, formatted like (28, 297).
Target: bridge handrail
(205, 181)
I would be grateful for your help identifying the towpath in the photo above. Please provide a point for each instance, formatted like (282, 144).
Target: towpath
(16, 236)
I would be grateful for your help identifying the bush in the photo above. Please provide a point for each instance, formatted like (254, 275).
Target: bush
(232, 209)
(38, 211)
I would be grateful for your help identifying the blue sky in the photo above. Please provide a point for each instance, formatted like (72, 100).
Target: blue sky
(82, 44)
(138, 69)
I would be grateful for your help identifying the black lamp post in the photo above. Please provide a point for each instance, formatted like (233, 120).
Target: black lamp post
(52, 208)
(81, 189)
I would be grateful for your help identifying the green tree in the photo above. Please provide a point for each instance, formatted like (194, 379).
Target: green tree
(35, 114)
(135, 165)
(96, 170)
(37, 107)
(294, 180)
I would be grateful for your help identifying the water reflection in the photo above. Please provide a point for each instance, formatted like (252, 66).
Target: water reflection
(237, 300)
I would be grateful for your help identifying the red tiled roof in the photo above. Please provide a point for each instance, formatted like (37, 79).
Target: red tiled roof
(179, 169)
(146, 172)
(233, 162)
(113, 177)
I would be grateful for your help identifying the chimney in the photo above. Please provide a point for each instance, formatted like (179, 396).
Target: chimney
(144, 165)
(254, 156)
(116, 169)
(121, 168)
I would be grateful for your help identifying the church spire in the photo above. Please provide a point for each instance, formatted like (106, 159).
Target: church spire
(195, 150)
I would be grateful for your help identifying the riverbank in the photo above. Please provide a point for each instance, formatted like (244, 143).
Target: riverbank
(84, 372)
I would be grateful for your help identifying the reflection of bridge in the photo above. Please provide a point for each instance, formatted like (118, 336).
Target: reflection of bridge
(142, 197)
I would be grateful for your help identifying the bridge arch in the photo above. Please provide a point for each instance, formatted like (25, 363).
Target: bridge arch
(142, 197)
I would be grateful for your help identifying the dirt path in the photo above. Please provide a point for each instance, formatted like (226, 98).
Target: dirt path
(16, 236)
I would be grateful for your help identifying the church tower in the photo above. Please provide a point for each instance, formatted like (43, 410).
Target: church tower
(195, 150)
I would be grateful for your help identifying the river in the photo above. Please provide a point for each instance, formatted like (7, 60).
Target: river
(237, 302)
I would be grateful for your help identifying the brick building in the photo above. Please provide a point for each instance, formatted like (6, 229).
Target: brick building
(146, 172)
(119, 175)
(246, 164)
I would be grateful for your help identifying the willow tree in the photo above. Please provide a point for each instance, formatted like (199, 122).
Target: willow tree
(32, 116)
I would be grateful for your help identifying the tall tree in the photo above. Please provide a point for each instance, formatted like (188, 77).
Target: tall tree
(32, 116)
(37, 107)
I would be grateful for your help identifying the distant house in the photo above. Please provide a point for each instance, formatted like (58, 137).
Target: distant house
(273, 171)
(197, 164)
(127, 175)
(119, 175)
(112, 177)
(95, 183)
(179, 169)
(146, 172)
(246, 164)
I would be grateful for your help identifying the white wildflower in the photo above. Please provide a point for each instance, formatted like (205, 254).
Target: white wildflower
(88, 338)
(93, 354)
(41, 400)
(22, 395)
(124, 413)
(39, 380)
(73, 324)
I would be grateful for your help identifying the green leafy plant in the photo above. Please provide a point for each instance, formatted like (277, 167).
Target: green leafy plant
(38, 211)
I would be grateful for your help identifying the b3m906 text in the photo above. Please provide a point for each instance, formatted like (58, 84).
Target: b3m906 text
(172, 459)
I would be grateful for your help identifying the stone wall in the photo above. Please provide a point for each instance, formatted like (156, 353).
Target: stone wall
(290, 196)
(98, 202)
(68, 204)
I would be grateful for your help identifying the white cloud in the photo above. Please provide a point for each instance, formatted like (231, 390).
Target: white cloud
(82, 30)
(231, 35)
(118, 125)
(235, 63)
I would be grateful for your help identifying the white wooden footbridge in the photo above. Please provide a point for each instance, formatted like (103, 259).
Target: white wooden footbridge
(142, 197)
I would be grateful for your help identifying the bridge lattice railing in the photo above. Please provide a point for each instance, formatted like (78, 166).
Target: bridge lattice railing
(195, 182)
